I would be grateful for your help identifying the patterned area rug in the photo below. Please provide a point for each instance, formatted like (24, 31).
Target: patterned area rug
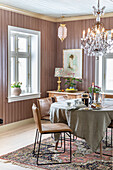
(82, 157)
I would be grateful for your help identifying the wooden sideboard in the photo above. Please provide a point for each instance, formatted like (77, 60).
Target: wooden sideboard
(70, 95)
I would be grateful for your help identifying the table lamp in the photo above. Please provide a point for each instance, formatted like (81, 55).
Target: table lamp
(59, 72)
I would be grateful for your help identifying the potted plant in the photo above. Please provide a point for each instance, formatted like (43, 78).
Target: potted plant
(71, 83)
(16, 88)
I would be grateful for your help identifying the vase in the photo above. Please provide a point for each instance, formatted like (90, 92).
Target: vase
(16, 91)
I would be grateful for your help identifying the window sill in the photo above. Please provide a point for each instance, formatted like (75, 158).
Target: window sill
(25, 96)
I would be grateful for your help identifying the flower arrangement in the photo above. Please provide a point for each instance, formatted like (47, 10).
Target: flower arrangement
(95, 89)
(70, 82)
(16, 85)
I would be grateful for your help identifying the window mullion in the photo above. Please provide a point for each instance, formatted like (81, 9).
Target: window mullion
(17, 79)
(29, 40)
(103, 73)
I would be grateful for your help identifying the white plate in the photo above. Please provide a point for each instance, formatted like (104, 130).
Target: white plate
(97, 108)
(86, 108)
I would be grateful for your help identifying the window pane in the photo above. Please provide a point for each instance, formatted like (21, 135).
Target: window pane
(12, 43)
(110, 50)
(22, 73)
(109, 74)
(22, 44)
(100, 71)
(12, 70)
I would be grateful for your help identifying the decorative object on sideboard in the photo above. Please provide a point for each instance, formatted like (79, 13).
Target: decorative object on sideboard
(16, 88)
(72, 62)
(70, 82)
(59, 72)
(97, 41)
(62, 31)
(94, 93)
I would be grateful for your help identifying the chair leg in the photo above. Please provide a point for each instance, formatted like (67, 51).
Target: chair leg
(54, 152)
(39, 148)
(61, 140)
(56, 145)
(73, 137)
(70, 148)
(106, 137)
(111, 137)
(64, 142)
(36, 138)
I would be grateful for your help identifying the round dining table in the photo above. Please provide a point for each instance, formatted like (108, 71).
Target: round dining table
(87, 124)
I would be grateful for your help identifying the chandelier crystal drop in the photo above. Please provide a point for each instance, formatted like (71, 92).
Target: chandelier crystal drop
(96, 42)
(62, 32)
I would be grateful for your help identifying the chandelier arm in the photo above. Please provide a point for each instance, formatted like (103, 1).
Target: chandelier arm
(98, 5)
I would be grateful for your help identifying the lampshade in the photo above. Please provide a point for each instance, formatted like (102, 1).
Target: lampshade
(62, 32)
(59, 72)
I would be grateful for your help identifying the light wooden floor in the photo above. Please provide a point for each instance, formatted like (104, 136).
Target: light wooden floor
(15, 139)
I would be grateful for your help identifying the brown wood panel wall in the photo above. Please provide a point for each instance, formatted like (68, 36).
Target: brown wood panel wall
(12, 112)
(73, 41)
(51, 57)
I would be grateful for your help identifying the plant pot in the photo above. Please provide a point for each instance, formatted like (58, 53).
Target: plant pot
(16, 91)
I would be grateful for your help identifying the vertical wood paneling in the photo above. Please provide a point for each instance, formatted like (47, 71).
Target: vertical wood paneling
(15, 111)
(51, 57)
(1, 72)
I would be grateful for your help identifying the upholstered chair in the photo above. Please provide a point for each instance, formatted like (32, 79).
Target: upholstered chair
(44, 107)
(49, 128)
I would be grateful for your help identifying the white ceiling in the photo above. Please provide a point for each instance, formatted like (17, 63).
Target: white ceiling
(57, 8)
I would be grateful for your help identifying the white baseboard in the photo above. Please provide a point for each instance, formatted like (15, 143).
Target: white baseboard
(12, 126)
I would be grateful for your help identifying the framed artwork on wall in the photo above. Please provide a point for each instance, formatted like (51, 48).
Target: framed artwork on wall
(72, 62)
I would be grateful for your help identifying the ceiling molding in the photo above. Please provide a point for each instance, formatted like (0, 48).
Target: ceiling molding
(82, 17)
(28, 13)
(52, 19)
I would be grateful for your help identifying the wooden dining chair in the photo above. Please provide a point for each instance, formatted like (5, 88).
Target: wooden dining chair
(111, 127)
(44, 107)
(49, 128)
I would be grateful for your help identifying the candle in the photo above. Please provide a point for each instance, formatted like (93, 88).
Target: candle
(103, 29)
(83, 34)
(93, 85)
(88, 30)
(112, 34)
(94, 97)
(106, 35)
(98, 31)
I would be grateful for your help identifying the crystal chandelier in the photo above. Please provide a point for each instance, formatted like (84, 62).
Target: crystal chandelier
(62, 31)
(95, 42)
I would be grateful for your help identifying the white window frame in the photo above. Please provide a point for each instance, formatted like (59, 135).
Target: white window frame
(17, 55)
(104, 58)
(30, 95)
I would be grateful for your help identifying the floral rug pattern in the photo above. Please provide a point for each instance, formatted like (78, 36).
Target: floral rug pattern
(82, 157)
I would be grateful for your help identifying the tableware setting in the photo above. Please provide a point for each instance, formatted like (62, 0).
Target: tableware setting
(86, 108)
(96, 106)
